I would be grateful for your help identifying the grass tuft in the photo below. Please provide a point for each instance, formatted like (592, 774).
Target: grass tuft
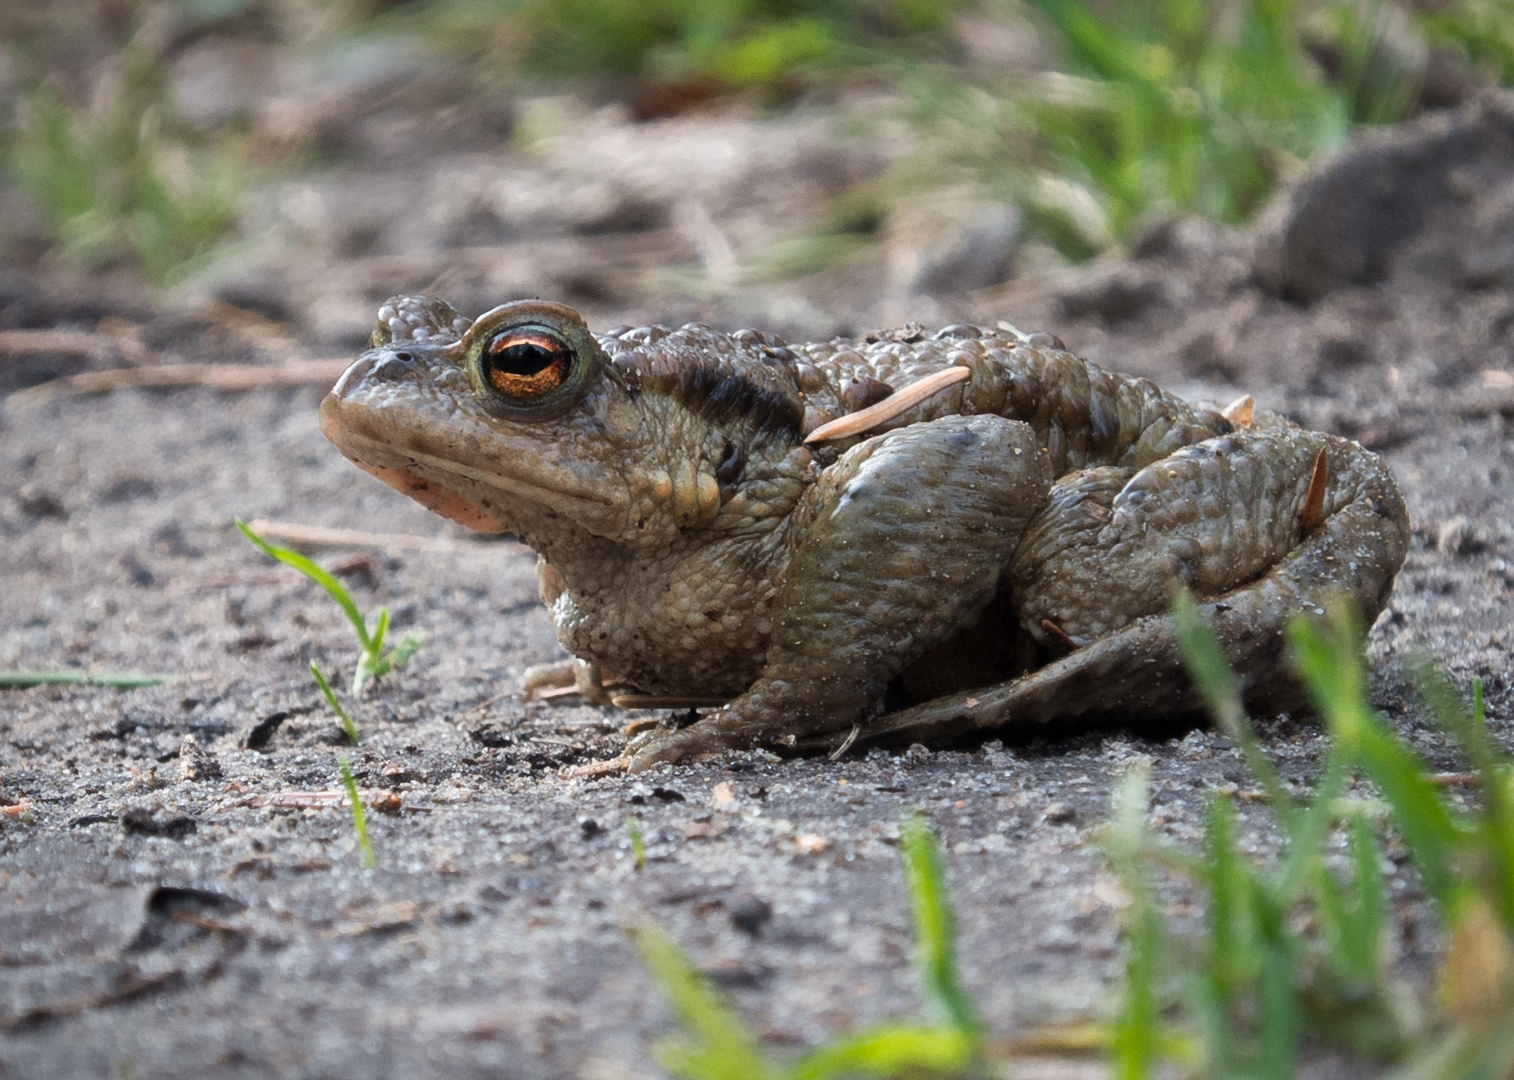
(770, 47)
(1150, 109)
(1294, 955)
(1480, 30)
(373, 661)
(1134, 1039)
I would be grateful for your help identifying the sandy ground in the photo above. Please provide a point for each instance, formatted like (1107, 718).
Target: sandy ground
(170, 908)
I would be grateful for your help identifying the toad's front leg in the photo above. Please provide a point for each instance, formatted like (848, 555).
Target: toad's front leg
(898, 545)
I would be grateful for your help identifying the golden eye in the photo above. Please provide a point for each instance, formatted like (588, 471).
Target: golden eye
(525, 364)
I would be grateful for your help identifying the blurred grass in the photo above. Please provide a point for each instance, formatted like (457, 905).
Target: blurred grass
(727, 44)
(1154, 107)
(122, 182)
(1296, 954)
(1161, 110)
(1480, 30)
(1115, 113)
(359, 818)
(1143, 108)
(124, 680)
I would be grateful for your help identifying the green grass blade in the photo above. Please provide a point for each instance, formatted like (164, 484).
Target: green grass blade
(1249, 966)
(723, 1048)
(380, 632)
(1362, 934)
(359, 819)
(52, 158)
(373, 664)
(1449, 708)
(1103, 50)
(1306, 835)
(361, 674)
(122, 680)
(348, 727)
(1222, 1053)
(1135, 1046)
(1334, 915)
(334, 588)
(1333, 673)
(1281, 1020)
(1279, 1004)
(1135, 1038)
(889, 1051)
(1498, 836)
(1233, 953)
(1469, 728)
(638, 846)
(934, 933)
(1220, 688)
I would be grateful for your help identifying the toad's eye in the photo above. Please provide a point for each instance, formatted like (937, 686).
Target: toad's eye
(526, 364)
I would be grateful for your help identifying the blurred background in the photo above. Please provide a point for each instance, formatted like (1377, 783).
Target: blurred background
(810, 166)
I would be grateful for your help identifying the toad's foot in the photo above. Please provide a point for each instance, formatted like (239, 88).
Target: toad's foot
(594, 769)
(583, 677)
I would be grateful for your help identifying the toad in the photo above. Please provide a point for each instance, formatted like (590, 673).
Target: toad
(909, 535)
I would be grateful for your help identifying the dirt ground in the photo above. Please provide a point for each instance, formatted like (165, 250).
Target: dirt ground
(170, 908)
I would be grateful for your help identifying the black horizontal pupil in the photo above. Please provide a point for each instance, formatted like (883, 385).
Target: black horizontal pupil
(523, 359)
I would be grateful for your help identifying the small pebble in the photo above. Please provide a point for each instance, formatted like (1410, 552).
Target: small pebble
(1458, 536)
(749, 913)
(1058, 813)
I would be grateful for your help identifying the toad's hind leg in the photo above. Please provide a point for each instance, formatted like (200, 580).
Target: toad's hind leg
(1260, 526)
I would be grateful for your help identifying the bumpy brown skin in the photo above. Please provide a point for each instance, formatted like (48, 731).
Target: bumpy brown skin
(1003, 552)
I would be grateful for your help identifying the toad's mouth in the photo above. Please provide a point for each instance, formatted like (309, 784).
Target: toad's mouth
(474, 497)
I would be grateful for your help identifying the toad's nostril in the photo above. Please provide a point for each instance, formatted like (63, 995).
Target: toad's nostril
(394, 365)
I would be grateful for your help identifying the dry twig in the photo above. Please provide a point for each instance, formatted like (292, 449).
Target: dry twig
(309, 538)
(235, 378)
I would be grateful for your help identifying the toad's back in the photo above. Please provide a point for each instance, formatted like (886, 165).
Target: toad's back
(1083, 414)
